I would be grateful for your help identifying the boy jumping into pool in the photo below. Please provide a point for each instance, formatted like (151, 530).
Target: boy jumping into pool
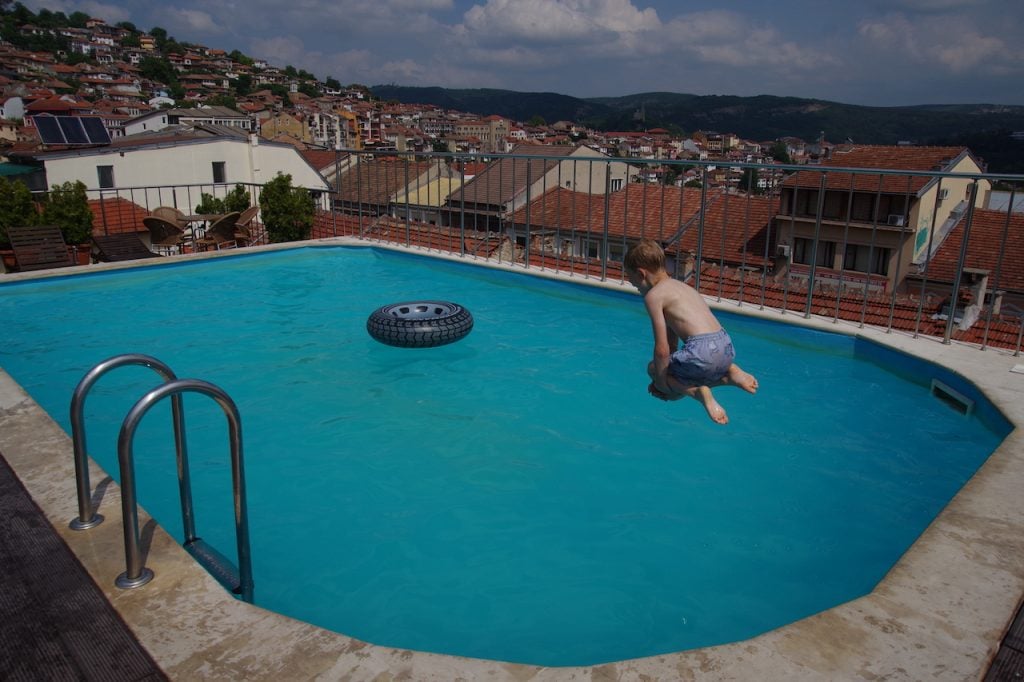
(679, 312)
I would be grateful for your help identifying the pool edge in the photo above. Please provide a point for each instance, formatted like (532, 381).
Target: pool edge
(940, 611)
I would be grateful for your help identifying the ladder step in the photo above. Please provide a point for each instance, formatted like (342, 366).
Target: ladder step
(218, 565)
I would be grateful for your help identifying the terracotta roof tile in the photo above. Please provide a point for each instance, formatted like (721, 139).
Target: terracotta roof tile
(736, 227)
(375, 181)
(116, 216)
(984, 248)
(883, 158)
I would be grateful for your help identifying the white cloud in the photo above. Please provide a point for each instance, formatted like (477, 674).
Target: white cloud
(556, 21)
(192, 20)
(112, 14)
(949, 42)
(731, 39)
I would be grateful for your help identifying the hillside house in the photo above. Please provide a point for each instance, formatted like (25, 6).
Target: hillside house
(867, 229)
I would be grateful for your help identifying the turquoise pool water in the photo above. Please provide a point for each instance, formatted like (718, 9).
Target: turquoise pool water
(516, 495)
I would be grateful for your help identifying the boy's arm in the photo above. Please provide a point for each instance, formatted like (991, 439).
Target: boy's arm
(662, 349)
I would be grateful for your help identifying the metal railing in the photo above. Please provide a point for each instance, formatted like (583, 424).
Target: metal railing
(239, 581)
(871, 246)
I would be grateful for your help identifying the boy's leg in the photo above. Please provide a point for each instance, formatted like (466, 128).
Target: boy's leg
(738, 378)
(701, 394)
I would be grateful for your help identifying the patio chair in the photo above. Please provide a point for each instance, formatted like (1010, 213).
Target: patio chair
(39, 247)
(243, 228)
(119, 247)
(171, 214)
(164, 234)
(221, 232)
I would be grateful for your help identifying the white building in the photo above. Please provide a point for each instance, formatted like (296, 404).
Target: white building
(175, 166)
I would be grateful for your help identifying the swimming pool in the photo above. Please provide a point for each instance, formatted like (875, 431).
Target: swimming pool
(520, 501)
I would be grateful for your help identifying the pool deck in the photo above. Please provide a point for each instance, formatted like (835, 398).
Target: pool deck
(941, 612)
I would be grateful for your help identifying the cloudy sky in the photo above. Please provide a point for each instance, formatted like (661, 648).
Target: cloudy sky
(874, 52)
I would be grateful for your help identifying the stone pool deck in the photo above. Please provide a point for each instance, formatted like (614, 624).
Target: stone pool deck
(941, 612)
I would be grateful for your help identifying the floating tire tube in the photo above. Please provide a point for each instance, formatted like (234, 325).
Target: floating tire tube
(419, 324)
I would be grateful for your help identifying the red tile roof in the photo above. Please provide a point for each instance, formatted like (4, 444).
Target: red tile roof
(736, 227)
(984, 248)
(116, 216)
(883, 158)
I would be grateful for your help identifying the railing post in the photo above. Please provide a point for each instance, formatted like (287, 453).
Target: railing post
(960, 264)
(87, 517)
(136, 574)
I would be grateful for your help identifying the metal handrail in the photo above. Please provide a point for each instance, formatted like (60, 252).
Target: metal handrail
(136, 573)
(87, 516)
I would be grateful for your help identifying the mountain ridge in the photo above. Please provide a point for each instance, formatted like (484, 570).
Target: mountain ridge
(985, 128)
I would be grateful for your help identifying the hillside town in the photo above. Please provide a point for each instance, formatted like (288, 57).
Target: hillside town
(152, 128)
(135, 81)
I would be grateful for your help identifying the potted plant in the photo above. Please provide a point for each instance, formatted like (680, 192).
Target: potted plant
(67, 206)
(17, 207)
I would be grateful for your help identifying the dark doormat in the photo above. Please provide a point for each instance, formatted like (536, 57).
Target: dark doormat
(55, 623)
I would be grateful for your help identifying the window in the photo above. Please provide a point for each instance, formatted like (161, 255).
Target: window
(106, 176)
(865, 259)
(803, 249)
(616, 184)
(219, 173)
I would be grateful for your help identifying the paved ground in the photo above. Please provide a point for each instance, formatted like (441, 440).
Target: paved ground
(55, 623)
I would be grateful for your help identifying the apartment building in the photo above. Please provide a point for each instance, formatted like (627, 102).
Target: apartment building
(866, 230)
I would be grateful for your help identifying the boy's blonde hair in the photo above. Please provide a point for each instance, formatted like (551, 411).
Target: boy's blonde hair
(646, 254)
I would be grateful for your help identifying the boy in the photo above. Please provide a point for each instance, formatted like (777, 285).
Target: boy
(679, 312)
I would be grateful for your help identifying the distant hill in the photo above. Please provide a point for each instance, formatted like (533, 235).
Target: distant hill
(518, 106)
(985, 128)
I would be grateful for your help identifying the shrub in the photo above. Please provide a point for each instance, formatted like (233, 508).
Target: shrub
(16, 207)
(67, 206)
(237, 200)
(287, 211)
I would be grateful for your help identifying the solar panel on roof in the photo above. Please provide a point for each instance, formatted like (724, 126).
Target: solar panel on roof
(49, 131)
(72, 128)
(96, 131)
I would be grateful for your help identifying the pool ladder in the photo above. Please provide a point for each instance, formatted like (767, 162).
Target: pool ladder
(237, 580)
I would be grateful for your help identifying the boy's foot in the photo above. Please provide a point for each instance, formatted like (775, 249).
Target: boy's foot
(715, 411)
(737, 377)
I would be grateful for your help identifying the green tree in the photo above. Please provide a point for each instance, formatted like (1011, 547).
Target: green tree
(243, 85)
(16, 207)
(287, 211)
(536, 121)
(748, 182)
(131, 40)
(309, 90)
(240, 58)
(290, 71)
(78, 19)
(780, 152)
(127, 25)
(223, 101)
(158, 69)
(67, 206)
(332, 83)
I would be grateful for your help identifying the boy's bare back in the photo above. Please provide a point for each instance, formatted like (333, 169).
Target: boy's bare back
(684, 310)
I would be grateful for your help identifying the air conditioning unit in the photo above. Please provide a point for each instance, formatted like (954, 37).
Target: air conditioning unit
(782, 250)
(896, 219)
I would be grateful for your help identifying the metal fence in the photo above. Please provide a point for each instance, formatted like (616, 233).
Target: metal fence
(913, 250)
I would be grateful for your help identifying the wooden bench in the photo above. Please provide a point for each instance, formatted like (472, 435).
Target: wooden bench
(119, 247)
(39, 247)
